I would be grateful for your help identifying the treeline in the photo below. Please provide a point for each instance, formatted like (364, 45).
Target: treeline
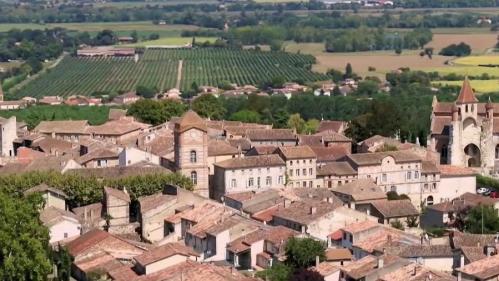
(365, 40)
(83, 190)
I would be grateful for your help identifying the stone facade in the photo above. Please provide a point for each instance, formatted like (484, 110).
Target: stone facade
(464, 132)
(8, 133)
(191, 151)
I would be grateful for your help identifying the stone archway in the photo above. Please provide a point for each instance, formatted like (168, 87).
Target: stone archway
(473, 155)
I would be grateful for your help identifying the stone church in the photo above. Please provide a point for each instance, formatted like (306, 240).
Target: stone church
(466, 132)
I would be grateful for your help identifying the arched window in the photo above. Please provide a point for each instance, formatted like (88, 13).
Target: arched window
(466, 108)
(194, 157)
(429, 200)
(497, 151)
(194, 177)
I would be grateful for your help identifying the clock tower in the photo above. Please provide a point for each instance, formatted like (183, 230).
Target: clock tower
(191, 150)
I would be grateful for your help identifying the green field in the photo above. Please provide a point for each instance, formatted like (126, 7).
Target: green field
(477, 60)
(171, 41)
(158, 68)
(143, 28)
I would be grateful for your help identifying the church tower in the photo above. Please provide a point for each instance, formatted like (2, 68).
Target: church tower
(191, 150)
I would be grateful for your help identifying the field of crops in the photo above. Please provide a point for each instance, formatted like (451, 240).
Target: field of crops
(158, 68)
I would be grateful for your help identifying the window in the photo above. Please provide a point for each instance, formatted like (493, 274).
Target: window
(429, 200)
(383, 177)
(291, 163)
(194, 157)
(434, 186)
(259, 170)
(65, 235)
(426, 186)
(416, 175)
(297, 172)
(280, 180)
(194, 177)
(268, 170)
(310, 161)
(233, 183)
(304, 184)
(268, 181)
(329, 184)
(304, 171)
(409, 175)
(291, 173)
(310, 183)
(251, 182)
(310, 171)
(258, 181)
(101, 163)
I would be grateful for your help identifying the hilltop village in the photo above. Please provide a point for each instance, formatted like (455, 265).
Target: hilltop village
(256, 188)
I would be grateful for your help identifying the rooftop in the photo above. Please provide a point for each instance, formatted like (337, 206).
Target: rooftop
(375, 158)
(62, 127)
(395, 208)
(296, 152)
(163, 252)
(304, 212)
(337, 169)
(361, 190)
(270, 134)
(190, 120)
(483, 269)
(252, 162)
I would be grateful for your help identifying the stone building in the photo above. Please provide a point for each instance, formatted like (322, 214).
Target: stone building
(8, 133)
(301, 165)
(464, 131)
(191, 150)
(117, 205)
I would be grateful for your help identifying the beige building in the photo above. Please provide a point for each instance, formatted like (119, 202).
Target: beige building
(301, 165)
(69, 130)
(62, 224)
(117, 205)
(219, 151)
(191, 150)
(117, 131)
(8, 133)
(250, 173)
(53, 197)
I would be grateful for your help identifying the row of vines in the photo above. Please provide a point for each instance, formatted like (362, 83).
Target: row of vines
(157, 68)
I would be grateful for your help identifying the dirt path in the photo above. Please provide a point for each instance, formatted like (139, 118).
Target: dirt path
(179, 74)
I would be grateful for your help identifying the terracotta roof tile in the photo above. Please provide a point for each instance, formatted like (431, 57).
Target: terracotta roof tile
(337, 169)
(219, 147)
(375, 158)
(163, 252)
(335, 126)
(117, 193)
(296, 152)
(66, 127)
(329, 154)
(252, 162)
(466, 94)
(190, 120)
(43, 188)
(449, 170)
(361, 190)
(395, 208)
(338, 254)
(483, 269)
(270, 135)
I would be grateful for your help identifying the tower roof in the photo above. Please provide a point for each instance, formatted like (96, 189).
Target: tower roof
(190, 120)
(466, 95)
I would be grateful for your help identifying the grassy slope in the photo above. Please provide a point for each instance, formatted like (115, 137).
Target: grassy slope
(171, 41)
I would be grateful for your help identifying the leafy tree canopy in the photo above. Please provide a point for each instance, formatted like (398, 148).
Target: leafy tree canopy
(209, 106)
(482, 219)
(302, 252)
(24, 241)
(156, 112)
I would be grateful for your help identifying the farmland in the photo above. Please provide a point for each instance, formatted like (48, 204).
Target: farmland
(158, 68)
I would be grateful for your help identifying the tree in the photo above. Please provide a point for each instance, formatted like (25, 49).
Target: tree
(246, 116)
(302, 252)
(209, 106)
(311, 126)
(145, 92)
(397, 224)
(459, 50)
(62, 261)
(398, 51)
(336, 75)
(482, 219)
(156, 112)
(278, 272)
(135, 36)
(153, 36)
(296, 122)
(24, 241)
(348, 71)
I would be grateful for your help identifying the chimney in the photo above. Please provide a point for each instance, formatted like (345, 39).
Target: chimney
(317, 261)
(287, 203)
(313, 210)
(380, 262)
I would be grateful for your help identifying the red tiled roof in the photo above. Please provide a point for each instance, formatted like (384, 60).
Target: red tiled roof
(449, 170)
(466, 95)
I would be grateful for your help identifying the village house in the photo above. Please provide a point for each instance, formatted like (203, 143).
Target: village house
(370, 268)
(276, 137)
(417, 272)
(329, 271)
(332, 125)
(390, 211)
(434, 257)
(300, 165)
(259, 248)
(483, 269)
(247, 174)
(117, 131)
(62, 224)
(445, 213)
(117, 206)
(317, 218)
(127, 98)
(163, 257)
(51, 100)
(359, 194)
(8, 133)
(52, 197)
(218, 151)
(101, 251)
(132, 155)
(338, 256)
(82, 101)
(100, 158)
(105, 51)
(332, 175)
(68, 130)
